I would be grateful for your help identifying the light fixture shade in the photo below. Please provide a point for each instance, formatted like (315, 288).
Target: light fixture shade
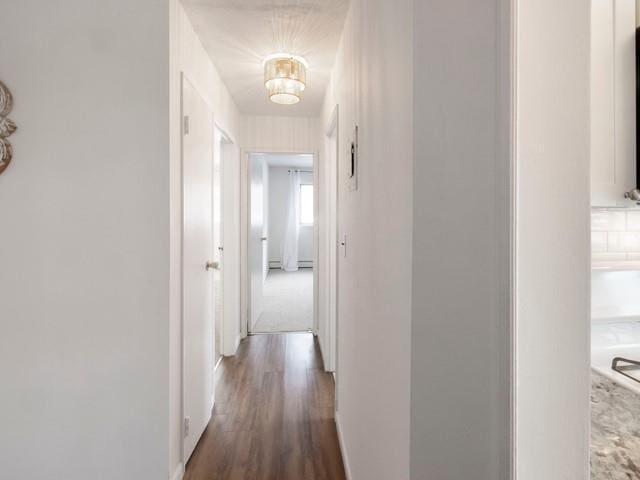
(285, 78)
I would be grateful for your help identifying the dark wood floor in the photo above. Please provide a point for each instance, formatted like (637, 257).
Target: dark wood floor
(273, 415)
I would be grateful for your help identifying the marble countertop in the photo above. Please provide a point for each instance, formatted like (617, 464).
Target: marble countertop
(615, 431)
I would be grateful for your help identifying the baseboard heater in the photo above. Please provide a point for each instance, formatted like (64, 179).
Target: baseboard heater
(624, 365)
(274, 264)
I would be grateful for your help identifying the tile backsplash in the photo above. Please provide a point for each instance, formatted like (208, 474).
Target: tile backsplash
(615, 235)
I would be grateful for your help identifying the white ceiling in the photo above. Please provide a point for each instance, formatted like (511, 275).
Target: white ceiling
(238, 34)
(280, 160)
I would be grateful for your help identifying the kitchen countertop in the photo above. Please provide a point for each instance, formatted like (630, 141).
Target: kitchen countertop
(615, 431)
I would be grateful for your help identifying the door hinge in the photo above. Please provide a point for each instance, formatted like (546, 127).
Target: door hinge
(187, 423)
(185, 126)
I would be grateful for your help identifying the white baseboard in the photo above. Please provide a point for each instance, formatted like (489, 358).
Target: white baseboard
(274, 264)
(345, 459)
(179, 473)
(236, 344)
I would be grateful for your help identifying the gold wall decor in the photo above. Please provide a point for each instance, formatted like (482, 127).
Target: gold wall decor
(7, 127)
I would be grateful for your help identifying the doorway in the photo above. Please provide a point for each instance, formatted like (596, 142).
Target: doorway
(281, 243)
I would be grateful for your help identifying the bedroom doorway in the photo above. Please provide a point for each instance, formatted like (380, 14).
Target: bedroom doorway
(281, 243)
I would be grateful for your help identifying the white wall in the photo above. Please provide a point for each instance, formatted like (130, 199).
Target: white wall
(460, 337)
(189, 57)
(552, 246)
(278, 213)
(280, 134)
(84, 282)
(373, 375)
(199, 68)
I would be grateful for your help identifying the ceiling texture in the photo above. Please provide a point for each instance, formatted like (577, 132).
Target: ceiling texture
(239, 34)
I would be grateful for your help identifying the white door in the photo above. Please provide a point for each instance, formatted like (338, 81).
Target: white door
(198, 250)
(257, 238)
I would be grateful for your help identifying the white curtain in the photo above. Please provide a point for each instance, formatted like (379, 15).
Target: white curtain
(289, 252)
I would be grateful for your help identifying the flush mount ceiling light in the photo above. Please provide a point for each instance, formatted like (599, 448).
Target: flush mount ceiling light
(285, 77)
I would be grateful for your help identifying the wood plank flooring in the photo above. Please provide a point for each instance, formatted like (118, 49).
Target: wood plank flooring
(273, 415)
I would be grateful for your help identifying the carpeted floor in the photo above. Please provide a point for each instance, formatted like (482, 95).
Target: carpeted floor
(287, 302)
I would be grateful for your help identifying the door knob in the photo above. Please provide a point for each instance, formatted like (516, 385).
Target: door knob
(212, 265)
(263, 239)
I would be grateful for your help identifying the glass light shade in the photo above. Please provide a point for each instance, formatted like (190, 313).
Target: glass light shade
(285, 79)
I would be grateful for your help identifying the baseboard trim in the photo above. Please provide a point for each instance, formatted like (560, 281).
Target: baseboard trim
(343, 451)
(234, 348)
(179, 473)
(273, 265)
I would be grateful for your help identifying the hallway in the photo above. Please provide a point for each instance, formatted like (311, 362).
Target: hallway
(273, 416)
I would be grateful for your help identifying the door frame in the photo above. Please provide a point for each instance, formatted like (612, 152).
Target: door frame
(517, 39)
(230, 332)
(332, 130)
(245, 218)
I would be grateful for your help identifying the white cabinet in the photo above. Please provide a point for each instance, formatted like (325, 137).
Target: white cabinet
(613, 101)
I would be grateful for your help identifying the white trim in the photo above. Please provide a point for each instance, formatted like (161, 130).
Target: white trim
(231, 322)
(275, 264)
(512, 5)
(331, 359)
(343, 450)
(244, 243)
(332, 124)
(271, 151)
(183, 78)
(179, 473)
(316, 241)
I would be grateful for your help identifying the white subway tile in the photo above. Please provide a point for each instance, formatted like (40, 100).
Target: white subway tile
(633, 221)
(608, 257)
(614, 242)
(623, 242)
(608, 221)
(599, 221)
(598, 242)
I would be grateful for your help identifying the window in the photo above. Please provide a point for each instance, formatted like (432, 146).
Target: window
(306, 204)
